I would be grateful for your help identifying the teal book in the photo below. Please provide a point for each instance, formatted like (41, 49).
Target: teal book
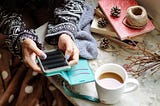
(77, 74)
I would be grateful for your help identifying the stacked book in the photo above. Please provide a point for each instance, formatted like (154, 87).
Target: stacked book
(115, 30)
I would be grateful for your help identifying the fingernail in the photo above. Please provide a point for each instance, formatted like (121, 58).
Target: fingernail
(44, 56)
(67, 57)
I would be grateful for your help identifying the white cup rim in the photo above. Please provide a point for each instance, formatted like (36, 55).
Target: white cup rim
(117, 65)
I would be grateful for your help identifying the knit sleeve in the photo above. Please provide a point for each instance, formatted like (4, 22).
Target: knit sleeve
(12, 25)
(63, 19)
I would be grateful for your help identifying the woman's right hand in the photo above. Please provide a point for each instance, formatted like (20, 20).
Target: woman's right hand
(67, 45)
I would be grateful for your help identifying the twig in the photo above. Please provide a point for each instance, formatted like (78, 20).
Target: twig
(147, 61)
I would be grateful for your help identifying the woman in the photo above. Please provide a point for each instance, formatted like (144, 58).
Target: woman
(65, 27)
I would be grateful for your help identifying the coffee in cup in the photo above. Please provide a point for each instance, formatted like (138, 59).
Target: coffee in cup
(111, 81)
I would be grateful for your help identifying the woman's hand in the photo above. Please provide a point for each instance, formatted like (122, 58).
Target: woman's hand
(67, 45)
(30, 50)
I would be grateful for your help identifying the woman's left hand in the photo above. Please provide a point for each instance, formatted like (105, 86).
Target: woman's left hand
(30, 51)
(67, 45)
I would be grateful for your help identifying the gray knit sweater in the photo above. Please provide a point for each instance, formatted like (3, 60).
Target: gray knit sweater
(84, 39)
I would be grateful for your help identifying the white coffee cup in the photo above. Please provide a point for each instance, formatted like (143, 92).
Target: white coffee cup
(111, 82)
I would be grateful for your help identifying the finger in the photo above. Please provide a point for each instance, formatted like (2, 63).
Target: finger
(31, 45)
(73, 62)
(69, 51)
(30, 61)
(33, 65)
(75, 57)
(38, 52)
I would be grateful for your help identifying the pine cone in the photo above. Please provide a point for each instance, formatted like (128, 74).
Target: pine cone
(104, 44)
(115, 11)
(102, 22)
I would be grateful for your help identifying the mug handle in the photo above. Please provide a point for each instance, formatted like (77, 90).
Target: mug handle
(131, 85)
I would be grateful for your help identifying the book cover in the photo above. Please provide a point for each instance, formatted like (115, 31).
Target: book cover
(108, 30)
(123, 31)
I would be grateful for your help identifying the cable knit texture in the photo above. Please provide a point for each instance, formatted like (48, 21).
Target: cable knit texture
(84, 39)
(78, 27)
